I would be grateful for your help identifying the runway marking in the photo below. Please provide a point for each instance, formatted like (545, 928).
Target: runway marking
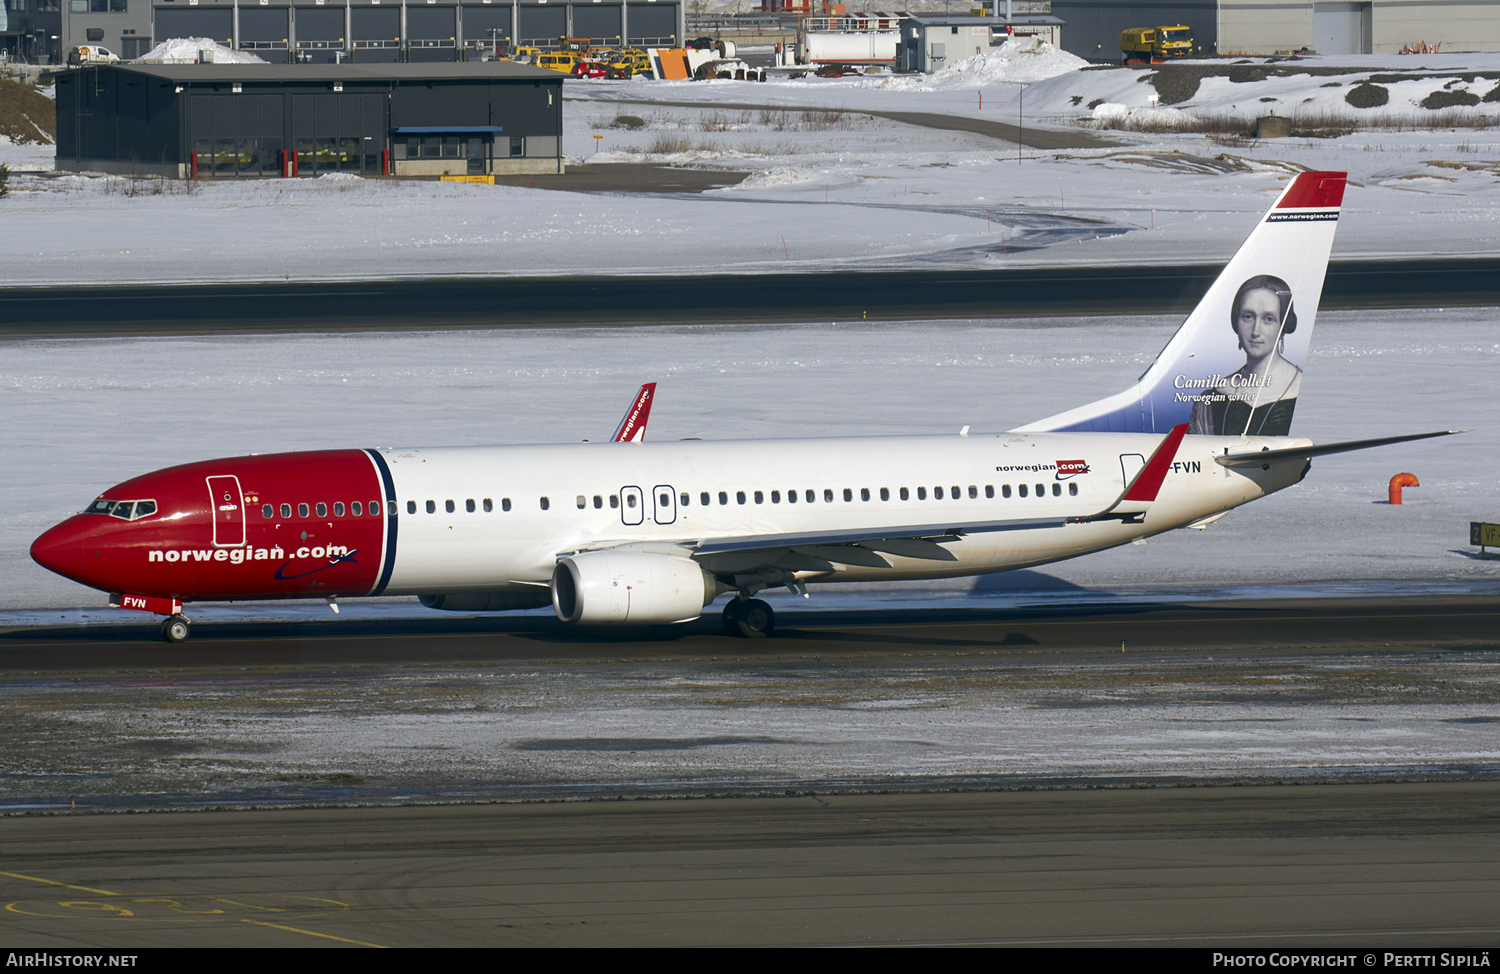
(176, 906)
(311, 933)
(53, 882)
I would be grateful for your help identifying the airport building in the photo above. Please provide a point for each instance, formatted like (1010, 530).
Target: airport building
(336, 31)
(1277, 26)
(258, 120)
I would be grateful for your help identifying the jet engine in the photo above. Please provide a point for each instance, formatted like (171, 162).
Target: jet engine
(625, 588)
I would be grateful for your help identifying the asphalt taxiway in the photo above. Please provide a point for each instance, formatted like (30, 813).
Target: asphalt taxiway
(1320, 866)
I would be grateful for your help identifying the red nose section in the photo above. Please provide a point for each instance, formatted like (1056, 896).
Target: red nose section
(60, 549)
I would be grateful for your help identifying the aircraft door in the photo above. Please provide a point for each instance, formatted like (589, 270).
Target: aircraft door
(665, 507)
(228, 506)
(632, 505)
(1130, 465)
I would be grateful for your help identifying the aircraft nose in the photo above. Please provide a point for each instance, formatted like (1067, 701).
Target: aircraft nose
(60, 549)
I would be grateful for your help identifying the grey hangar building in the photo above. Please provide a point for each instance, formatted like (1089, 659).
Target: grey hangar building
(269, 120)
(333, 31)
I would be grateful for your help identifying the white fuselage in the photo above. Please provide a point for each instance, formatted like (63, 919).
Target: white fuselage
(546, 501)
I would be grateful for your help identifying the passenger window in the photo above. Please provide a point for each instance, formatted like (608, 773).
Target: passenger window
(703, 498)
(489, 505)
(989, 491)
(469, 505)
(448, 506)
(1005, 490)
(1073, 490)
(432, 507)
(356, 508)
(759, 497)
(739, 497)
(629, 500)
(338, 508)
(937, 493)
(921, 493)
(547, 504)
(723, 497)
(598, 502)
(956, 493)
(665, 500)
(267, 511)
(848, 495)
(791, 497)
(286, 510)
(827, 495)
(505, 503)
(411, 507)
(1022, 490)
(1041, 490)
(685, 498)
(775, 497)
(973, 492)
(1057, 490)
(905, 494)
(614, 501)
(811, 496)
(583, 502)
(302, 510)
(885, 493)
(864, 493)
(390, 506)
(322, 509)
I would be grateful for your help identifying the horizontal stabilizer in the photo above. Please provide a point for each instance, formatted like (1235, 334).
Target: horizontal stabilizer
(1265, 457)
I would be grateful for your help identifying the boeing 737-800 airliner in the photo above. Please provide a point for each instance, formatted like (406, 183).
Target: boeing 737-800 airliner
(630, 533)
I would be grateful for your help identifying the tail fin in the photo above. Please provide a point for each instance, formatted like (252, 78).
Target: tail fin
(1235, 365)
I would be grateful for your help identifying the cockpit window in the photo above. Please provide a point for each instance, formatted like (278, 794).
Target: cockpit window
(124, 510)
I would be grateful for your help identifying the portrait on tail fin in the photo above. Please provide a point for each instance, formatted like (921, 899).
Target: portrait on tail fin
(1257, 399)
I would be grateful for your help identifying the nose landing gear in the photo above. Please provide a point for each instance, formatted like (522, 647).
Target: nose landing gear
(750, 618)
(174, 629)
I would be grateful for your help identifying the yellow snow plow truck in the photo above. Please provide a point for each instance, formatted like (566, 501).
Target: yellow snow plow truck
(1153, 45)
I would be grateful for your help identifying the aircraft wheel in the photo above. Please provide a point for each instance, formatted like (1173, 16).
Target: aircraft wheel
(730, 617)
(756, 620)
(175, 629)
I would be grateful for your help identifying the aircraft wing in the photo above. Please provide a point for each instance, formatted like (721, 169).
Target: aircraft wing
(821, 551)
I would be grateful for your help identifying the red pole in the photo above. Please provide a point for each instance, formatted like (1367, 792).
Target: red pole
(195, 163)
(385, 162)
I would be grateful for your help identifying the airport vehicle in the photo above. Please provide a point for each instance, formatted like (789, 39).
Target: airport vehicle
(1153, 45)
(632, 533)
(563, 61)
(629, 63)
(589, 69)
(91, 54)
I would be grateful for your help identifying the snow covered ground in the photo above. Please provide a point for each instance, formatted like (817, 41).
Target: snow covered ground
(85, 414)
(826, 190)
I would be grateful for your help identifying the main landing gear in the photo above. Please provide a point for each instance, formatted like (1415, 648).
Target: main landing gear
(174, 629)
(751, 618)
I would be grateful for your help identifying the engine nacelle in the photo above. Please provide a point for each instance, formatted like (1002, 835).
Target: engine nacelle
(625, 588)
(528, 598)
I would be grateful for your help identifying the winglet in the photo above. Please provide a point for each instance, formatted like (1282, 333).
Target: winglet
(1148, 482)
(1141, 492)
(632, 428)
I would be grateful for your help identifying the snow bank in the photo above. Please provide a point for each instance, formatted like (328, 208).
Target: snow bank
(190, 50)
(1019, 59)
